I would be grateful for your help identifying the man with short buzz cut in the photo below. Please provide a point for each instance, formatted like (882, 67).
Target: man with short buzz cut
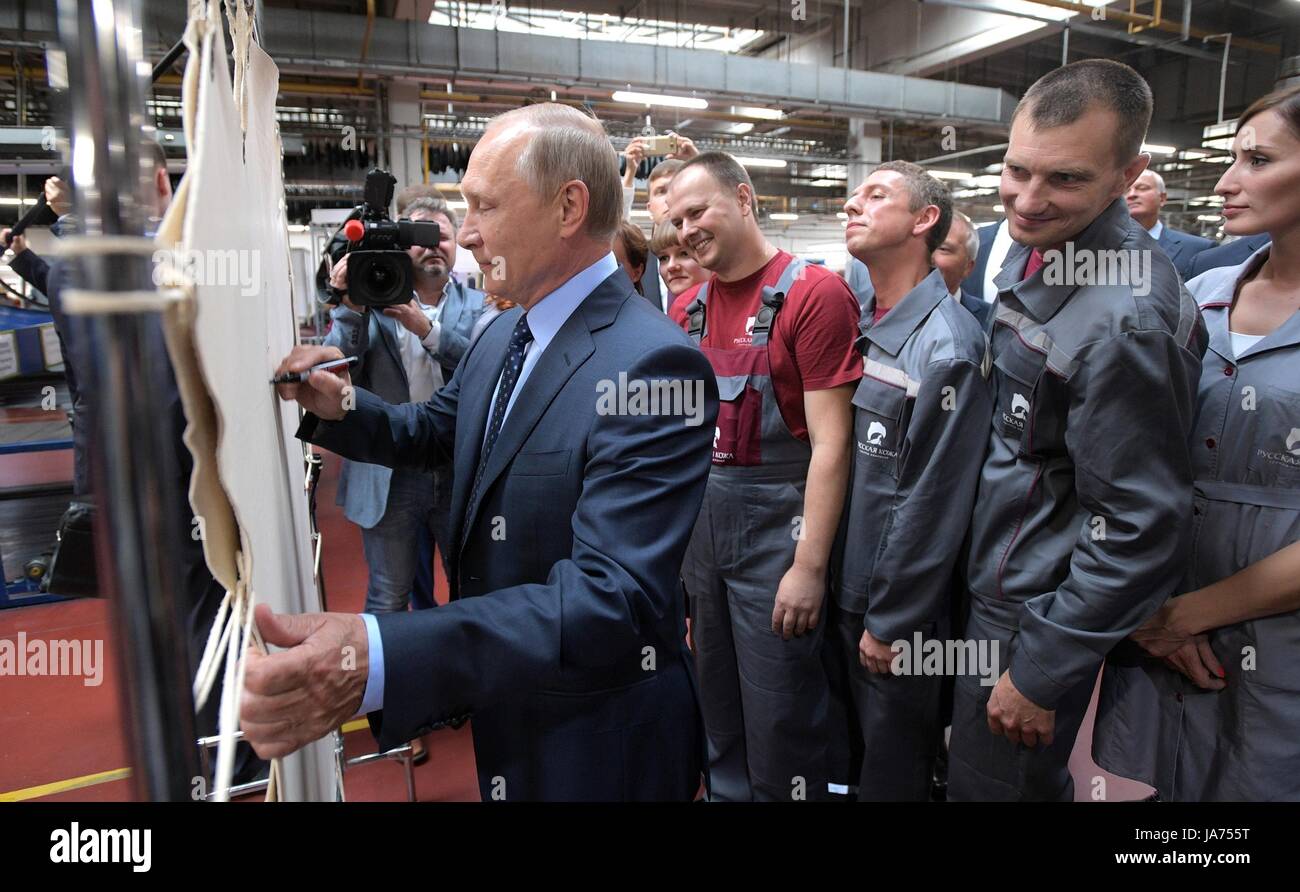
(955, 259)
(565, 638)
(779, 335)
(921, 414)
(1145, 198)
(1081, 527)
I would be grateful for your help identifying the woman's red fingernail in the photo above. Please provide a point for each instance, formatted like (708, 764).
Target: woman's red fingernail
(1220, 672)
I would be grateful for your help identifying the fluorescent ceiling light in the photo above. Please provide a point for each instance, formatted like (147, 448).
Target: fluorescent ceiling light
(518, 18)
(458, 205)
(740, 127)
(829, 171)
(635, 98)
(1156, 149)
(760, 162)
(782, 216)
(1192, 154)
(638, 212)
(842, 215)
(998, 209)
(950, 174)
(827, 183)
(750, 111)
(19, 201)
(1209, 218)
(987, 181)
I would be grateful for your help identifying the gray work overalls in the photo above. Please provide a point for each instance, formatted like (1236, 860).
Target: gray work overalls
(1082, 518)
(764, 699)
(921, 419)
(1153, 723)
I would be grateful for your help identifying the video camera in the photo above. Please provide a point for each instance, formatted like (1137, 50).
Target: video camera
(379, 269)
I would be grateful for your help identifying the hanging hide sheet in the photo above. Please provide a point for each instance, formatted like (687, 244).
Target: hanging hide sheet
(227, 239)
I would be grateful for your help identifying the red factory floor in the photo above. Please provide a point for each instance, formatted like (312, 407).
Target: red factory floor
(63, 739)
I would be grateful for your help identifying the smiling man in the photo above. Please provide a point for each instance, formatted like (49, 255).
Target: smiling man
(779, 336)
(1082, 517)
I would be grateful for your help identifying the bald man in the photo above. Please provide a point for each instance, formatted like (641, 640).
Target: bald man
(1145, 198)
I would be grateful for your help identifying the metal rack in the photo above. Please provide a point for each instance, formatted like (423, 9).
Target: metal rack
(133, 467)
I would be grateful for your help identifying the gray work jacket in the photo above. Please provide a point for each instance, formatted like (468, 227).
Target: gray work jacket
(1082, 519)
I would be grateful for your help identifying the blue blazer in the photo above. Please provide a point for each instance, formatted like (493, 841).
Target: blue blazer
(363, 487)
(974, 283)
(461, 307)
(564, 641)
(979, 308)
(1182, 247)
(1233, 253)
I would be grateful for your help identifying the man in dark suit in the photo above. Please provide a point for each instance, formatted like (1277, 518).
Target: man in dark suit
(994, 243)
(955, 258)
(1231, 254)
(572, 505)
(1145, 198)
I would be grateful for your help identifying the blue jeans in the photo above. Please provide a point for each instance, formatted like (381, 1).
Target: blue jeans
(392, 546)
(422, 594)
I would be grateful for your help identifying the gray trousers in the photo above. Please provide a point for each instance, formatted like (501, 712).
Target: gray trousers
(986, 767)
(897, 716)
(764, 700)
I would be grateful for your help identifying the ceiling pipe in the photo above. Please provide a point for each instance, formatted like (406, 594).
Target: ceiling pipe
(1129, 18)
(1090, 30)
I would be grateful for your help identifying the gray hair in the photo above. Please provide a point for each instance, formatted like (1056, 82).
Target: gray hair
(972, 237)
(570, 145)
(1159, 180)
(431, 205)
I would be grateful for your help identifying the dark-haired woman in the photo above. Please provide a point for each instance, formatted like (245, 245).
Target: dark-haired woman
(1204, 702)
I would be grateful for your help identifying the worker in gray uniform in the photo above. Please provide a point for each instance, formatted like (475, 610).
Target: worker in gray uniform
(1204, 702)
(1082, 520)
(779, 335)
(921, 417)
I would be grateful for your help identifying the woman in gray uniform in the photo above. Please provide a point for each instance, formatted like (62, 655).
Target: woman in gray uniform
(1203, 702)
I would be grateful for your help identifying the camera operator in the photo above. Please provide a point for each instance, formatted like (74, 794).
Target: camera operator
(403, 350)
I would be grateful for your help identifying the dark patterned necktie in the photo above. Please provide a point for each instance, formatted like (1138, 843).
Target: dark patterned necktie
(519, 341)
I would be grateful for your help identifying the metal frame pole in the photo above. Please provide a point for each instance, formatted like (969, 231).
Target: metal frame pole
(134, 462)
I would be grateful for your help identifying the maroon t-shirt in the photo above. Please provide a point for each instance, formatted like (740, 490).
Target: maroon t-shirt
(811, 344)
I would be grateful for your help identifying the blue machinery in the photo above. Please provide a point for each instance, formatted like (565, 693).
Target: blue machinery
(28, 347)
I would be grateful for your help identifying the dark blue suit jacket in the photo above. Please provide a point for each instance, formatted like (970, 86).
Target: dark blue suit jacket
(1231, 254)
(979, 308)
(1182, 248)
(565, 639)
(974, 283)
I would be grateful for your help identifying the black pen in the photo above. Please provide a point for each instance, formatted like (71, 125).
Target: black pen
(296, 377)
